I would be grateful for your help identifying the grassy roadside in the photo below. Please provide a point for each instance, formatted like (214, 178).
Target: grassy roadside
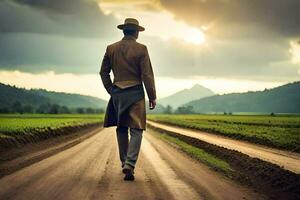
(268, 178)
(12, 126)
(198, 154)
(17, 130)
(275, 131)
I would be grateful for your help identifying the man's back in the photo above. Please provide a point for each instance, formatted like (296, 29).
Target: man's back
(130, 63)
(125, 57)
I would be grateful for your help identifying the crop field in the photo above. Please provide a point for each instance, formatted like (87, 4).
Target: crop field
(275, 131)
(14, 125)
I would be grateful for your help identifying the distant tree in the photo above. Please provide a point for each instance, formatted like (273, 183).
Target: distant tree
(90, 110)
(80, 110)
(43, 108)
(272, 114)
(64, 110)
(5, 110)
(54, 108)
(184, 110)
(168, 110)
(99, 110)
(40, 109)
(28, 109)
(17, 107)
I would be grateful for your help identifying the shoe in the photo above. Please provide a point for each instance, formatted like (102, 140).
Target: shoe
(128, 171)
(128, 175)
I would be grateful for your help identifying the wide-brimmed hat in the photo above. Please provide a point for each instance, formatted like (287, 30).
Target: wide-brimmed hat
(131, 24)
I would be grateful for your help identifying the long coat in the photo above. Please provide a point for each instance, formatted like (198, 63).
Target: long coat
(130, 63)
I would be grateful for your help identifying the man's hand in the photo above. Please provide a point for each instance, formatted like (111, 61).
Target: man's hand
(152, 104)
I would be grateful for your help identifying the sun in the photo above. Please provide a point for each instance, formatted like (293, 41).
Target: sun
(295, 52)
(195, 36)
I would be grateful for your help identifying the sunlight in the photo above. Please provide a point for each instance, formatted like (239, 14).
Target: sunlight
(195, 36)
(295, 51)
(157, 21)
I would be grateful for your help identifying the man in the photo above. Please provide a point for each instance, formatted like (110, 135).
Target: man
(130, 63)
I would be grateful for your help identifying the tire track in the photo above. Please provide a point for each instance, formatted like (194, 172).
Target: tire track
(91, 170)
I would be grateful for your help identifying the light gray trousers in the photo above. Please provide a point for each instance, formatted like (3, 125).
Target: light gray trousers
(129, 149)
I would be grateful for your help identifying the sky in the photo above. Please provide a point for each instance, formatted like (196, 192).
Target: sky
(225, 45)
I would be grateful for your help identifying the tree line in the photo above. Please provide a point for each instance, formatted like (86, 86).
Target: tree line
(180, 110)
(189, 110)
(48, 108)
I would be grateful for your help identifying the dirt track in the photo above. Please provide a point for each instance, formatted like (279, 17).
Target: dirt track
(91, 170)
(289, 160)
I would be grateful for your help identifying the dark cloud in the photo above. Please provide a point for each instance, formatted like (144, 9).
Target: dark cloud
(250, 39)
(62, 6)
(58, 35)
(78, 18)
(242, 59)
(241, 17)
(43, 52)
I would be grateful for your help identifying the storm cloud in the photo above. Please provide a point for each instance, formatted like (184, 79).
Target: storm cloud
(77, 18)
(238, 18)
(246, 39)
(58, 35)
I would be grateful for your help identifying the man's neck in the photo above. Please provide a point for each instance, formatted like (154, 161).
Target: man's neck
(129, 37)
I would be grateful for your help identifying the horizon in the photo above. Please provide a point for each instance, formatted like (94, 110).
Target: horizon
(20, 87)
(59, 45)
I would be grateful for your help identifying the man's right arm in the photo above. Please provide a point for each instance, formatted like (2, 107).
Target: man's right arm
(105, 72)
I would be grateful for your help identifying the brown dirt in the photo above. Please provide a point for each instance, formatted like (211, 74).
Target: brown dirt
(286, 159)
(268, 178)
(246, 138)
(16, 157)
(91, 170)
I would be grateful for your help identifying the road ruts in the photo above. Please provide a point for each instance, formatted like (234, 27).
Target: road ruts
(91, 170)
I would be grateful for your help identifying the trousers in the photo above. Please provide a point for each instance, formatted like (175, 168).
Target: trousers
(129, 149)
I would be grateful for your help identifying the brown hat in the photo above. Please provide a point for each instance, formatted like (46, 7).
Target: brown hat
(131, 24)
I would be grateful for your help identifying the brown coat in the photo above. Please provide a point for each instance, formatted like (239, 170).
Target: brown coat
(130, 63)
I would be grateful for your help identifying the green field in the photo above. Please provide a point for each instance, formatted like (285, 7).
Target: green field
(14, 125)
(276, 131)
(199, 154)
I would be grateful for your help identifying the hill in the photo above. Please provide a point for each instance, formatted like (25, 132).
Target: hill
(186, 95)
(283, 99)
(10, 95)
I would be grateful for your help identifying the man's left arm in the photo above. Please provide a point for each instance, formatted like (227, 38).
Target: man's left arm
(148, 78)
(105, 72)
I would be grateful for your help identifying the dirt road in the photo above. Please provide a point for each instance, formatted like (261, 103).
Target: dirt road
(91, 170)
(287, 159)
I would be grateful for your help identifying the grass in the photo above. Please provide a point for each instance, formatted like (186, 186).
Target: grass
(199, 154)
(14, 125)
(275, 131)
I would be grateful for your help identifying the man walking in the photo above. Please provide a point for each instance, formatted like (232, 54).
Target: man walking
(130, 63)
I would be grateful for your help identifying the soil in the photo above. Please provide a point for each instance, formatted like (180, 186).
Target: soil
(268, 178)
(287, 159)
(24, 152)
(92, 170)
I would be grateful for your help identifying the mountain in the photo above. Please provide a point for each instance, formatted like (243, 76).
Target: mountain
(186, 95)
(283, 99)
(9, 95)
